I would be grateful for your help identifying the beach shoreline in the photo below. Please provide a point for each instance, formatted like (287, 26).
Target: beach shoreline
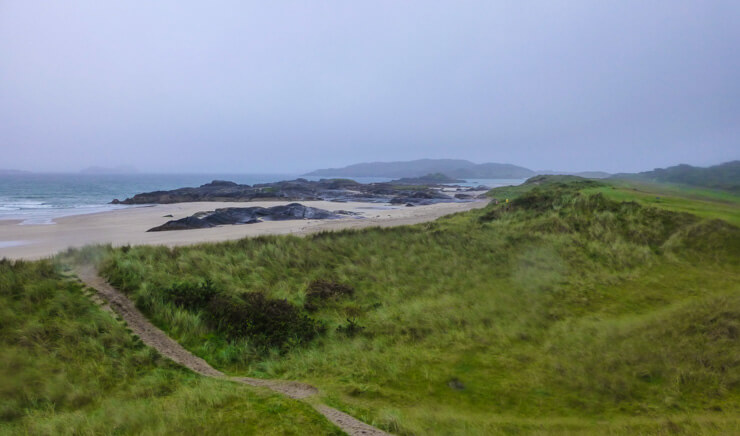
(129, 226)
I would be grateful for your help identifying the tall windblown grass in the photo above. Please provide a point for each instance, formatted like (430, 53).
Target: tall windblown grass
(68, 367)
(562, 304)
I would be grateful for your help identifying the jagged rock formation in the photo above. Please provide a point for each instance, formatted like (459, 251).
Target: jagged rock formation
(248, 215)
(339, 190)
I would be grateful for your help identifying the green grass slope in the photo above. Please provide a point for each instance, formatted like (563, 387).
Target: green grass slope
(574, 308)
(702, 202)
(67, 367)
(705, 203)
(725, 176)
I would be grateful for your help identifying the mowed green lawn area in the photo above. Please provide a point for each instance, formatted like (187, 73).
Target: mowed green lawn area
(575, 308)
(68, 367)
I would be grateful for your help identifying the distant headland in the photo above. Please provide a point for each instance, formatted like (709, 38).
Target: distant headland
(454, 168)
(451, 168)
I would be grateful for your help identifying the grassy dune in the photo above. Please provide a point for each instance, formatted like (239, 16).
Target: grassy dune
(68, 367)
(705, 203)
(577, 307)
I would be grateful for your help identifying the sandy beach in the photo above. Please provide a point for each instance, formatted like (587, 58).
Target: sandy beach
(129, 226)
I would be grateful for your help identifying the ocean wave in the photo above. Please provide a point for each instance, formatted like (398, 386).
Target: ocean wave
(45, 216)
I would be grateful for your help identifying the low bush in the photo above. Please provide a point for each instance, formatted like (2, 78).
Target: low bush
(321, 291)
(266, 321)
(351, 329)
(191, 295)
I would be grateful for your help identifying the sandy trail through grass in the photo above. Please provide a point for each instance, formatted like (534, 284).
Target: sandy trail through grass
(157, 339)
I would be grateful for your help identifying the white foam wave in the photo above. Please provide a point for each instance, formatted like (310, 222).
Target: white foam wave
(23, 205)
(46, 216)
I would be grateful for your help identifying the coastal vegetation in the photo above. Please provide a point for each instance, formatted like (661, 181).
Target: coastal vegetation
(576, 305)
(69, 367)
(724, 176)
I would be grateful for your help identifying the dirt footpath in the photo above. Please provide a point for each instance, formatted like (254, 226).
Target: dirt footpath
(157, 339)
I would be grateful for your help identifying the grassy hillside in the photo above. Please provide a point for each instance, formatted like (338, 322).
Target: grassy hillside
(575, 308)
(725, 176)
(68, 367)
(702, 202)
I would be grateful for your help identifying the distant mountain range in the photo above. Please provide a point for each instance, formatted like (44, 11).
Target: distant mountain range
(724, 176)
(454, 168)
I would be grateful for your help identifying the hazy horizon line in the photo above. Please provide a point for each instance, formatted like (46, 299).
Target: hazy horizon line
(102, 168)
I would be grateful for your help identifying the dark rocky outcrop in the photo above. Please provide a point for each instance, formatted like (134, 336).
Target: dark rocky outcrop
(420, 198)
(248, 215)
(339, 190)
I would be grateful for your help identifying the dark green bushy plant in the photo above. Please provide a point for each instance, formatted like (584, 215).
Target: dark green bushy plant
(191, 295)
(322, 291)
(351, 329)
(268, 322)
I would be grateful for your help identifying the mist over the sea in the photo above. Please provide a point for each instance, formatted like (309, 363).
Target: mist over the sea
(286, 87)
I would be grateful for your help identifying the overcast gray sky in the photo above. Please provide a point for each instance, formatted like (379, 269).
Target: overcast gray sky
(290, 86)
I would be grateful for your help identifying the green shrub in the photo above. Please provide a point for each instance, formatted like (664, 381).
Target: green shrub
(320, 292)
(351, 329)
(266, 321)
(191, 295)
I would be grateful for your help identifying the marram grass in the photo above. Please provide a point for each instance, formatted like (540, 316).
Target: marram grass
(68, 367)
(568, 310)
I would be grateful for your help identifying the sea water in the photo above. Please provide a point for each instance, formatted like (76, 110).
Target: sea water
(36, 198)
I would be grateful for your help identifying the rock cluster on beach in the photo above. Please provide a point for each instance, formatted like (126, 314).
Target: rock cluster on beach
(339, 190)
(249, 215)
